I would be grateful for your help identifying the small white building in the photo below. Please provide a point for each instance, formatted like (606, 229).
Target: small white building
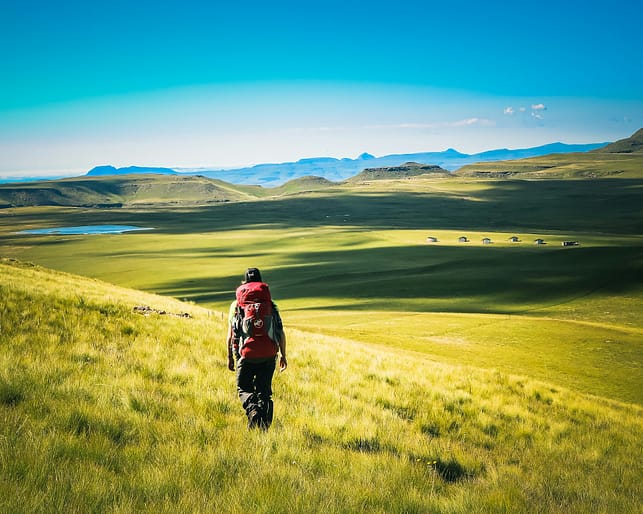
(486, 241)
(431, 239)
(463, 239)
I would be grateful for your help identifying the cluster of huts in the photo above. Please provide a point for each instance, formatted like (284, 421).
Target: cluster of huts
(512, 239)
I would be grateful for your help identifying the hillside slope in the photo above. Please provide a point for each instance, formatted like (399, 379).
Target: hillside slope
(632, 144)
(621, 159)
(104, 409)
(302, 185)
(559, 166)
(123, 190)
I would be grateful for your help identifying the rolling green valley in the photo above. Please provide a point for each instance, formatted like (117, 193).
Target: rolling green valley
(458, 342)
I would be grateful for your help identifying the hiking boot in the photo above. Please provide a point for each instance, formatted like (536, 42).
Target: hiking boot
(265, 406)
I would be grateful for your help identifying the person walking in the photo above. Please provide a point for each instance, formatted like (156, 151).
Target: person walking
(255, 337)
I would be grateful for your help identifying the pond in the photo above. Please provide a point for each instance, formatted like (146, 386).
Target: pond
(85, 230)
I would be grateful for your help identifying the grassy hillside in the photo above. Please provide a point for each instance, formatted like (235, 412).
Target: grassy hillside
(633, 144)
(620, 159)
(106, 410)
(124, 190)
(302, 185)
(144, 190)
(562, 166)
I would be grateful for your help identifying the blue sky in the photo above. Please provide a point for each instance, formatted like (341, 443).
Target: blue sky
(206, 83)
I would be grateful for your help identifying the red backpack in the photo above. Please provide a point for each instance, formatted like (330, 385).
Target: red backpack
(254, 321)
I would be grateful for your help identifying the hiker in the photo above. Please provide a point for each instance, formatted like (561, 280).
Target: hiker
(255, 335)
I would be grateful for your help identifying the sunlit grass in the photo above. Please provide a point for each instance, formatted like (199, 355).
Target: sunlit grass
(564, 315)
(104, 409)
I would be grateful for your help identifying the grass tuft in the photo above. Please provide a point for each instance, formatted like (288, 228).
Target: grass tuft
(11, 394)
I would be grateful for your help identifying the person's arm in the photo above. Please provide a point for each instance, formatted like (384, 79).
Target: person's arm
(230, 337)
(229, 341)
(283, 363)
(280, 337)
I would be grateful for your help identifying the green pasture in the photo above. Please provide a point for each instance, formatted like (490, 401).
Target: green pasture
(353, 262)
(106, 410)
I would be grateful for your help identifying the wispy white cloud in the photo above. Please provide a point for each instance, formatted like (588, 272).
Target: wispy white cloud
(484, 122)
(535, 111)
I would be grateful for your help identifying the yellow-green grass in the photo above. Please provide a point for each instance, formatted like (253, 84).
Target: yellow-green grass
(359, 255)
(505, 299)
(106, 410)
(601, 359)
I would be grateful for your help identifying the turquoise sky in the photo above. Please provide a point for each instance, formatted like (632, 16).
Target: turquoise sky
(207, 83)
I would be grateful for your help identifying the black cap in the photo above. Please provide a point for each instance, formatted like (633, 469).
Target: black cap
(252, 275)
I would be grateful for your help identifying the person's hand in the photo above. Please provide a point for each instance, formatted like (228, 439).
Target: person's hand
(283, 363)
(230, 362)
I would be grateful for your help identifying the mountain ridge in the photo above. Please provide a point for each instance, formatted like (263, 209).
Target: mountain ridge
(100, 171)
(337, 170)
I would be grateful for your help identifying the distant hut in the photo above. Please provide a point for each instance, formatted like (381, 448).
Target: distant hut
(539, 241)
(431, 239)
(463, 239)
(514, 239)
(486, 241)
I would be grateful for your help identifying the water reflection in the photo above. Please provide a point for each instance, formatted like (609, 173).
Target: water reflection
(85, 230)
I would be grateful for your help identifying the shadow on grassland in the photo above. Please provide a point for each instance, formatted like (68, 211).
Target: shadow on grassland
(606, 205)
(612, 206)
(443, 279)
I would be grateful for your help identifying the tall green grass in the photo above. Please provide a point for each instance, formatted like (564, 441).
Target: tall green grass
(106, 410)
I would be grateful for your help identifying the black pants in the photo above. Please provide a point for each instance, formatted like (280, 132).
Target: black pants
(254, 384)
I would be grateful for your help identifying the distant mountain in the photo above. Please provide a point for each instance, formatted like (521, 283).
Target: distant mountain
(632, 144)
(130, 170)
(337, 170)
(506, 154)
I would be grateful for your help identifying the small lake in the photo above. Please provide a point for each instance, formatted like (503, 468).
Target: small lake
(85, 230)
